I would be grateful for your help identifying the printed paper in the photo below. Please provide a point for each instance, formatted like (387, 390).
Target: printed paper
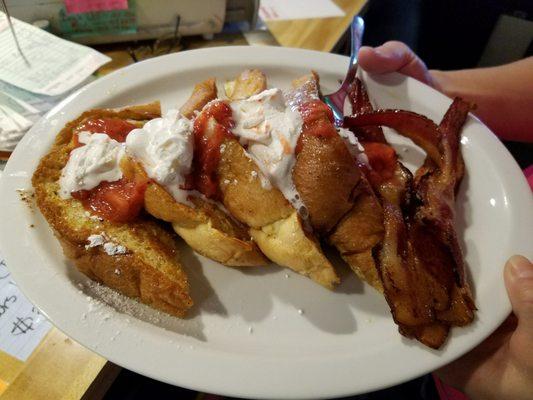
(54, 65)
(22, 326)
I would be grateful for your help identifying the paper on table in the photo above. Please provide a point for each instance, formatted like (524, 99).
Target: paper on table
(20, 109)
(55, 65)
(84, 6)
(273, 10)
(22, 326)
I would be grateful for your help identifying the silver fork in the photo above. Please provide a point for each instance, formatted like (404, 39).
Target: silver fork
(335, 101)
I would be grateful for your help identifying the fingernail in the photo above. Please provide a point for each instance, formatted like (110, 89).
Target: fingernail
(380, 52)
(521, 267)
(385, 53)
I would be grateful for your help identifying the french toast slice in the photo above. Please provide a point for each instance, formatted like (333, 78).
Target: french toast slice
(274, 224)
(204, 226)
(149, 268)
(342, 206)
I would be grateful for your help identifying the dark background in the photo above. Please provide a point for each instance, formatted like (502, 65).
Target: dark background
(446, 34)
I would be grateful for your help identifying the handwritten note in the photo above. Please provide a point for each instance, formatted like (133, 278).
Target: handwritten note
(53, 65)
(84, 6)
(274, 10)
(22, 326)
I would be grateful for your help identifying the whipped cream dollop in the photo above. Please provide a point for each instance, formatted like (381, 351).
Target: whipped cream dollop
(164, 147)
(354, 147)
(270, 129)
(87, 166)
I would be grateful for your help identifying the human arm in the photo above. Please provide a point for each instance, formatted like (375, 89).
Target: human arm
(503, 95)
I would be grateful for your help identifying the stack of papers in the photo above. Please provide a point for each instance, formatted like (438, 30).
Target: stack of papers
(50, 69)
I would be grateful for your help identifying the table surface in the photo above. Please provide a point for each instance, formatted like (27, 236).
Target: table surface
(61, 369)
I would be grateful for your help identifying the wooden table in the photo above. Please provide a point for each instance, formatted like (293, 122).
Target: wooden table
(61, 369)
(316, 34)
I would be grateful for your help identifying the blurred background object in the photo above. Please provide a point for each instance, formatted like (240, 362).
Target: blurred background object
(454, 34)
(127, 20)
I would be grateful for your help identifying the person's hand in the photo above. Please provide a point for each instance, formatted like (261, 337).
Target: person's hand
(502, 366)
(394, 57)
(502, 94)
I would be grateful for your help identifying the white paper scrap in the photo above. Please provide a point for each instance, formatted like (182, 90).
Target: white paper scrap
(55, 65)
(22, 326)
(20, 109)
(275, 10)
(17, 105)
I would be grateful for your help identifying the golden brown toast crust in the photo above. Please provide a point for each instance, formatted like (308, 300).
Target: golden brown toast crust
(358, 233)
(341, 204)
(326, 176)
(242, 192)
(150, 270)
(202, 94)
(274, 223)
(325, 173)
(249, 81)
(204, 226)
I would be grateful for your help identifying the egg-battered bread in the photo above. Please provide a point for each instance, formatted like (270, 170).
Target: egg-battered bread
(149, 268)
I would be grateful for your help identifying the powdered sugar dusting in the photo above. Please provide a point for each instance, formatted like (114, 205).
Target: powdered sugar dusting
(103, 240)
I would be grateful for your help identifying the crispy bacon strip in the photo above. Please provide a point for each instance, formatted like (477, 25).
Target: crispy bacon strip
(430, 220)
(408, 297)
(435, 189)
(421, 130)
(361, 104)
(409, 305)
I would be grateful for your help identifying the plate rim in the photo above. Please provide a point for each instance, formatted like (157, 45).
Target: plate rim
(205, 385)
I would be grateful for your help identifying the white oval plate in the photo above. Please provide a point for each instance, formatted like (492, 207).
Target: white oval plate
(265, 332)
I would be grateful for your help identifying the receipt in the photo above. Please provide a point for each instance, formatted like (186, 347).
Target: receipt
(20, 109)
(55, 65)
(22, 326)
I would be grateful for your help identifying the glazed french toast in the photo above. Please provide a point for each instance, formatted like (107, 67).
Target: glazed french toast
(341, 204)
(202, 224)
(274, 223)
(139, 258)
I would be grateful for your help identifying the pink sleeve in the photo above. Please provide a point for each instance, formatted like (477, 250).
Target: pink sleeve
(529, 175)
(447, 392)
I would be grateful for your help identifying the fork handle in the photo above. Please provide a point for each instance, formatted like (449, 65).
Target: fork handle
(357, 28)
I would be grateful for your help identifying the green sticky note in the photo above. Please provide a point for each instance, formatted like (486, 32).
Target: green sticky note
(99, 22)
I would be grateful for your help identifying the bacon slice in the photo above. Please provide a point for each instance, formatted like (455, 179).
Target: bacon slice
(409, 299)
(420, 129)
(435, 189)
(420, 246)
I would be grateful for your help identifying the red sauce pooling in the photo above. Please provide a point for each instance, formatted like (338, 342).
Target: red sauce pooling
(318, 120)
(115, 128)
(119, 201)
(382, 158)
(207, 141)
